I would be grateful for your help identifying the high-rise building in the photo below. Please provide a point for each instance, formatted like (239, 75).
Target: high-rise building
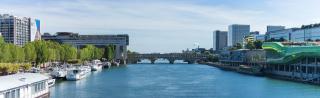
(275, 28)
(219, 40)
(18, 30)
(237, 33)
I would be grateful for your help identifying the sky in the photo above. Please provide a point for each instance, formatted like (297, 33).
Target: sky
(162, 26)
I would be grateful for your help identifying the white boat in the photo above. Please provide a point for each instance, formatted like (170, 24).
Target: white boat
(51, 82)
(107, 64)
(59, 72)
(87, 69)
(96, 65)
(76, 74)
(25, 85)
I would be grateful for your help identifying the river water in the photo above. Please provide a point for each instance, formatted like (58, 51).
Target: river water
(179, 81)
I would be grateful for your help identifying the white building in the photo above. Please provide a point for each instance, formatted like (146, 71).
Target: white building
(237, 33)
(19, 30)
(24, 85)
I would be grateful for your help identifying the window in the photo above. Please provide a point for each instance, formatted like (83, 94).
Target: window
(13, 94)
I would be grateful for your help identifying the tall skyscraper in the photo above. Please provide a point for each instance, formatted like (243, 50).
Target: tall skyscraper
(18, 30)
(275, 28)
(236, 33)
(219, 39)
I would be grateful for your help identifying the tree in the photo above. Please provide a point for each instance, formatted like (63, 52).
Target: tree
(309, 40)
(42, 52)
(30, 52)
(238, 46)
(109, 52)
(250, 45)
(282, 40)
(258, 44)
(6, 54)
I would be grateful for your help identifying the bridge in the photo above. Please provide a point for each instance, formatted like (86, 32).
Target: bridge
(191, 58)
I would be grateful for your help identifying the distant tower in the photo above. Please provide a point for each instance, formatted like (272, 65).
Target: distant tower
(38, 34)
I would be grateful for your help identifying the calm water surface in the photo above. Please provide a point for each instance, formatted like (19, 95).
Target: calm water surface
(179, 81)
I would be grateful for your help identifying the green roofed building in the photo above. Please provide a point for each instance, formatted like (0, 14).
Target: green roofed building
(298, 61)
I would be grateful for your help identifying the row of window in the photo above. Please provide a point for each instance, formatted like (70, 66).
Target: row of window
(13, 94)
(37, 87)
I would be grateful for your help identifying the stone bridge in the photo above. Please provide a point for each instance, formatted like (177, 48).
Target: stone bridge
(171, 57)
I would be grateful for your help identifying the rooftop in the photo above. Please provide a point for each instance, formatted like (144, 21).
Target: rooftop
(21, 79)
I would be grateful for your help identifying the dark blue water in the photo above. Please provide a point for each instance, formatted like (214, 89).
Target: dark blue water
(179, 81)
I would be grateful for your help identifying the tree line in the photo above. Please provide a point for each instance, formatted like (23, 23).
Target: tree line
(14, 57)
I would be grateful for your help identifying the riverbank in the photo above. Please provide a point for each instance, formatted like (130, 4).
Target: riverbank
(261, 73)
(240, 69)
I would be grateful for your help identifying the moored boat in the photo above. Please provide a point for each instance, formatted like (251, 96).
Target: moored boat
(96, 65)
(76, 74)
(59, 72)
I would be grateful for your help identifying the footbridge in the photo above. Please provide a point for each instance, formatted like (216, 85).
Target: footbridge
(171, 57)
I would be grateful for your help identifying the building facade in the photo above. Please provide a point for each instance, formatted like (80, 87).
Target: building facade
(80, 41)
(275, 28)
(302, 34)
(19, 30)
(219, 40)
(237, 33)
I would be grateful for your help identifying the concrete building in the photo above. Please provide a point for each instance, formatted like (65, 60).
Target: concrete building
(275, 28)
(219, 40)
(19, 30)
(237, 33)
(80, 41)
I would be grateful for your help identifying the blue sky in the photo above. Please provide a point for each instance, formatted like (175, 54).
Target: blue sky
(163, 25)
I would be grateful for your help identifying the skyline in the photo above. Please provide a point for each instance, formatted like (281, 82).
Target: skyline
(166, 25)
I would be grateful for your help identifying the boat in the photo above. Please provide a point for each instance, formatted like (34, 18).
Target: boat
(96, 65)
(106, 65)
(76, 74)
(25, 85)
(87, 69)
(51, 82)
(59, 72)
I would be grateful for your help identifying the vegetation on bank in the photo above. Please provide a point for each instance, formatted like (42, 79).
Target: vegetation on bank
(14, 57)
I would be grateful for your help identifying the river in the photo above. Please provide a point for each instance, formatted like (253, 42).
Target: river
(179, 81)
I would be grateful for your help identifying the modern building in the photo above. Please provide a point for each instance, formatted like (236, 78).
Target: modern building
(80, 41)
(254, 33)
(260, 37)
(236, 33)
(275, 28)
(302, 34)
(284, 34)
(24, 85)
(219, 40)
(19, 30)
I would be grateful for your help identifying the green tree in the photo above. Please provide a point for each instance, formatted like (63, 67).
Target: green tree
(238, 46)
(250, 45)
(30, 52)
(258, 44)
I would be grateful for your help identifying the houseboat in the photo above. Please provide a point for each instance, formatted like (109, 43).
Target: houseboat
(24, 85)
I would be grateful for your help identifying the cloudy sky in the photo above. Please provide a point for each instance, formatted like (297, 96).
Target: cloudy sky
(163, 25)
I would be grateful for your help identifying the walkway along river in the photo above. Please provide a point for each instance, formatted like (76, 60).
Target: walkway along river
(179, 81)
